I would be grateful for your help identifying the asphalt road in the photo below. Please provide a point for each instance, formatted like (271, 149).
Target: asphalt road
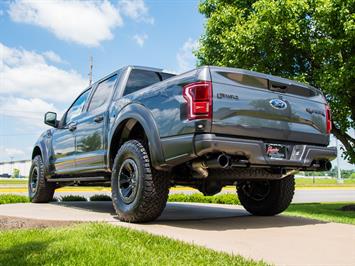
(280, 240)
(323, 195)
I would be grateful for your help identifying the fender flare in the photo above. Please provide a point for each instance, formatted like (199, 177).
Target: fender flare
(144, 116)
(41, 145)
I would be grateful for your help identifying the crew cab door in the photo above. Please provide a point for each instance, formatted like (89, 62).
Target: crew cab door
(91, 142)
(63, 138)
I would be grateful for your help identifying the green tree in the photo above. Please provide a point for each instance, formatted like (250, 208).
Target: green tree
(16, 173)
(312, 41)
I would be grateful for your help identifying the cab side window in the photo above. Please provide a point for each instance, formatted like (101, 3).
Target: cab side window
(102, 93)
(77, 106)
(139, 79)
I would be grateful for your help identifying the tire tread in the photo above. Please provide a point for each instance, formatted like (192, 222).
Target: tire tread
(155, 188)
(45, 190)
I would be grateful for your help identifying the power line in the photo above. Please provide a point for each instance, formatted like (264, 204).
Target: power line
(16, 135)
(20, 111)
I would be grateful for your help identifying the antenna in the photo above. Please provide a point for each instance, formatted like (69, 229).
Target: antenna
(90, 73)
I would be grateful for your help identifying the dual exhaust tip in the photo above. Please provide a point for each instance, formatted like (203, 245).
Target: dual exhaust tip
(222, 161)
(321, 165)
(225, 161)
(200, 167)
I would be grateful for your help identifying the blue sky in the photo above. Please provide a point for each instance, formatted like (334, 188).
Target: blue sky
(45, 48)
(44, 43)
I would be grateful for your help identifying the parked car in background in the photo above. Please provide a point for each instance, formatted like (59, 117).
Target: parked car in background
(142, 130)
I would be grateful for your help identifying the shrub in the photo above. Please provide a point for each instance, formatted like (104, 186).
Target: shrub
(101, 197)
(72, 198)
(11, 198)
(197, 197)
(55, 199)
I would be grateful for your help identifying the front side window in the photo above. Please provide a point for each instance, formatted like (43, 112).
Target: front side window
(77, 106)
(103, 93)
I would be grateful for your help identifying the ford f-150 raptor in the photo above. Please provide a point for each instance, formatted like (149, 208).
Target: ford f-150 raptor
(141, 130)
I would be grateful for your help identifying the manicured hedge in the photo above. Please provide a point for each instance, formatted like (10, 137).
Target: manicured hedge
(197, 197)
(72, 198)
(100, 197)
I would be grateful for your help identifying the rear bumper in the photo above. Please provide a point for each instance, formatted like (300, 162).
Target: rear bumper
(298, 156)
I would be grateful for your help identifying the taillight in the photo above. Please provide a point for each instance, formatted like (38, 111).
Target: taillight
(328, 118)
(199, 99)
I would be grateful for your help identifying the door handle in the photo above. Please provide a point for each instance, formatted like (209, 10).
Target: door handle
(99, 119)
(72, 126)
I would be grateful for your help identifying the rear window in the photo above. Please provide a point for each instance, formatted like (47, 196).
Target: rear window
(139, 79)
(249, 80)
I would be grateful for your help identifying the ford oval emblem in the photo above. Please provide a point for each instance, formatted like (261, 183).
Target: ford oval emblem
(278, 104)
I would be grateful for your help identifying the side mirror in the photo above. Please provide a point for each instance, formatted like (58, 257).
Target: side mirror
(50, 119)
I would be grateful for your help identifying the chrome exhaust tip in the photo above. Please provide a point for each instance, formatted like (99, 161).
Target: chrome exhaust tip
(326, 165)
(223, 160)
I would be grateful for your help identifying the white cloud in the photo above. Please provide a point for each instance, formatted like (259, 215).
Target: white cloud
(30, 75)
(136, 10)
(83, 22)
(12, 152)
(140, 39)
(52, 56)
(26, 111)
(185, 58)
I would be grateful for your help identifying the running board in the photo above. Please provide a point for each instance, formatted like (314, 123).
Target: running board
(76, 179)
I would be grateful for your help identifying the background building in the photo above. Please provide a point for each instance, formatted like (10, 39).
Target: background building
(8, 167)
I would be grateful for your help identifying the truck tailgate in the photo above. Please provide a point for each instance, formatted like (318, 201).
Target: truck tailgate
(255, 105)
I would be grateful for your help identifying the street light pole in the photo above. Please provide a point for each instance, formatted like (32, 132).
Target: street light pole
(90, 68)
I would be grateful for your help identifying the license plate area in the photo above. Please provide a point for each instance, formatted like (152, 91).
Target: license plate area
(276, 151)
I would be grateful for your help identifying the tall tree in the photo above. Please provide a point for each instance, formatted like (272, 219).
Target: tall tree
(311, 41)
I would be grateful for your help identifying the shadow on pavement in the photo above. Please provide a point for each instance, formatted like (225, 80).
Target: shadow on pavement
(97, 206)
(203, 217)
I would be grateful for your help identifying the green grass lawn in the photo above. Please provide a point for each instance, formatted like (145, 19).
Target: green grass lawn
(12, 181)
(329, 212)
(10, 198)
(102, 244)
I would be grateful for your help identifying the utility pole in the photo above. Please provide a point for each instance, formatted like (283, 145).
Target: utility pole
(90, 73)
(339, 179)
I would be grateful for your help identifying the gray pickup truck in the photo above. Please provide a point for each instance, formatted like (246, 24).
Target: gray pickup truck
(141, 131)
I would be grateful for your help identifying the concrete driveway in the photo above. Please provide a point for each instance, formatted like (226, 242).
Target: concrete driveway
(281, 240)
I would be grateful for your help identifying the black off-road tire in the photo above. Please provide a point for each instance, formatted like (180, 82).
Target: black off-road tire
(41, 191)
(152, 187)
(278, 197)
